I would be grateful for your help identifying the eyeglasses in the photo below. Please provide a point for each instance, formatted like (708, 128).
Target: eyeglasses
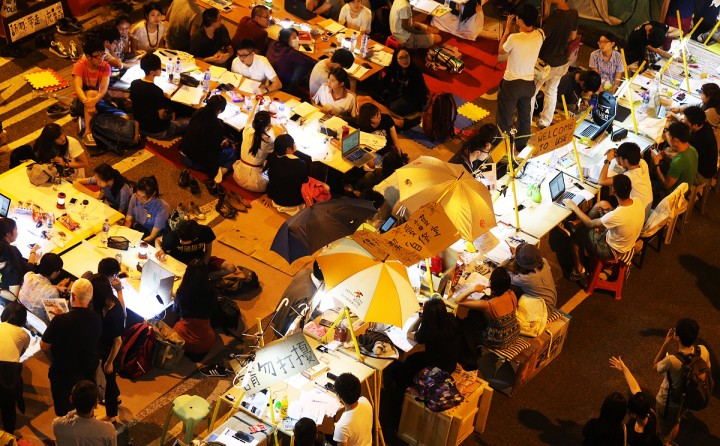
(245, 56)
(98, 56)
(603, 41)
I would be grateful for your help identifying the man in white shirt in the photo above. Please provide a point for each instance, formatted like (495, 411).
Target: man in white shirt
(354, 428)
(617, 230)
(256, 67)
(627, 157)
(518, 86)
(79, 426)
(320, 74)
(406, 32)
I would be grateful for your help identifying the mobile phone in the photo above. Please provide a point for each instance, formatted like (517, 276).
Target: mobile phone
(122, 275)
(243, 436)
(307, 47)
(655, 151)
(389, 223)
(73, 201)
(322, 349)
(294, 117)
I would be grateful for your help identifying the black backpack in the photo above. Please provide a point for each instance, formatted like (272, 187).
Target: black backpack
(696, 385)
(115, 134)
(438, 120)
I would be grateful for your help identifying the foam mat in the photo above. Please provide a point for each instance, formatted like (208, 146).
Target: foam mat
(473, 112)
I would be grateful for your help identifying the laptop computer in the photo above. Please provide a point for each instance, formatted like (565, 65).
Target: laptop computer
(4, 205)
(558, 194)
(601, 117)
(156, 282)
(355, 153)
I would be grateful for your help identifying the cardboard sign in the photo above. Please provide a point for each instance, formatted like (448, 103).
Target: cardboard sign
(277, 361)
(33, 19)
(550, 138)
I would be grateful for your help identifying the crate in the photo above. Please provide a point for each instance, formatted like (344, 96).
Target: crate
(420, 426)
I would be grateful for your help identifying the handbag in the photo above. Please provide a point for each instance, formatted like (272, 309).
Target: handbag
(118, 242)
(100, 381)
(169, 346)
(40, 174)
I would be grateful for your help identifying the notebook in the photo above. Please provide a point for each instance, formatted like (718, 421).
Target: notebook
(354, 152)
(558, 194)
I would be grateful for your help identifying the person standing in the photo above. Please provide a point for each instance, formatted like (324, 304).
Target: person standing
(560, 29)
(72, 339)
(14, 340)
(517, 87)
(183, 17)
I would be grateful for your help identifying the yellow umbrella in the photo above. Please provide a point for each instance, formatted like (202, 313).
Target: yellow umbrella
(375, 290)
(465, 200)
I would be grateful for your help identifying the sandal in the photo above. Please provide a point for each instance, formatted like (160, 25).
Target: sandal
(239, 199)
(225, 209)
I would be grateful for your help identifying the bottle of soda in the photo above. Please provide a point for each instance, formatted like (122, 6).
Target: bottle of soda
(105, 233)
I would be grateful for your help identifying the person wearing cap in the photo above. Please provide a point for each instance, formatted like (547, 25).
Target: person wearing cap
(532, 274)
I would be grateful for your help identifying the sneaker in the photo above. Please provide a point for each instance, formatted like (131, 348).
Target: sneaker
(195, 211)
(57, 110)
(73, 50)
(194, 187)
(576, 277)
(81, 126)
(68, 26)
(58, 49)
(88, 140)
(184, 180)
(215, 370)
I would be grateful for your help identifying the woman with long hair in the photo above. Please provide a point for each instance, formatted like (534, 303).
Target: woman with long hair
(147, 212)
(15, 265)
(149, 34)
(194, 302)
(372, 120)
(257, 144)
(355, 15)
(291, 66)
(609, 427)
(53, 146)
(112, 314)
(402, 87)
(335, 97)
(115, 189)
(710, 96)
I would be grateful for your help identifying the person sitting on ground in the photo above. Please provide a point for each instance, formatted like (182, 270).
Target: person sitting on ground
(607, 62)
(608, 428)
(18, 264)
(110, 37)
(254, 28)
(327, 8)
(257, 144)
(194, 303)
(193, 241)
(575, 87)
(641, 426)
(184, 18)
(702, 138)
(151, 109)
(211, 42)
(10, 277)
(610, 235)
(409, 33)
(341, 58)
(14, 340)
(53, 146)
(684, 164)
(204, 146)
(306, 433)
(354, 428)
(286, 174)
(372, 120)
(91, 78)
(355, 15)
(362, 187)
(681, 340)
(115, 189)
(149, 34)
(123, 49)
(335, 97)
(255, 67)
(402, 87)
(474, 152)
(499, 310)
(112, 313)
(80, 425)
(645, 44)
(38, 286)
(147, 212)
(292, 67)
(533, 275)
(627, 156)
(467, 21)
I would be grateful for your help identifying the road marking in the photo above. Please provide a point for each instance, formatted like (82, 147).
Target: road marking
(16, 78)
(574, 301)
(16, 103)
(11, 89)
(4, 60)
(135, 160)
(28, 112)
(27, 139)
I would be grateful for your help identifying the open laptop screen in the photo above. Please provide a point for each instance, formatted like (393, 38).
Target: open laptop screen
(350, 142)
(557, 186)
(4, 205)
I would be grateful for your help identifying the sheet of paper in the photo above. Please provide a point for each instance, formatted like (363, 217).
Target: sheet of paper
(165, 86)
(486, 242)
(216, 72)
(304, 109)
(297, 381)
(238, 121)
(249, 85)
(228, 77)
(132, 73)
(381, 58)
(230, 111)
(331, 26)
(426, 6)
(130, 234)
(642, 81)
(376, 142)
(357, 71)
(188, 95)
(336, 123)
(399, 336)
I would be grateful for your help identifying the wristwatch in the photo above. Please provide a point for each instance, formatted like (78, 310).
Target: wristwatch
(607, 162)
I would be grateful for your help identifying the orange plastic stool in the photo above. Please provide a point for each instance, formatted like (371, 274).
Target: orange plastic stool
(618, 268)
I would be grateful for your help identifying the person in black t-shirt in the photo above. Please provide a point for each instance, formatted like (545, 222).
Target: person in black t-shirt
(287, 172)
(644, 43)
(211, 42)
(10, 279)
(371, 120)
(575, 86)
(641, 426)
(72, 339)
(191, 241)
(150, 108)
(703, 139)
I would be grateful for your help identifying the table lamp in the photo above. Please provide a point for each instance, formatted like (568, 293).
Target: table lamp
(61, 200)
(142, 250)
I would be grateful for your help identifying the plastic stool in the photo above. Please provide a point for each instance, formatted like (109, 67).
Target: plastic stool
(618, 268)
(392, 43)
(190, 409)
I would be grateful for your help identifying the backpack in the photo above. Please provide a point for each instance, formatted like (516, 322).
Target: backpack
(531, 315)
(315, 191)
(438, 120)
(136, 354)
(234, 285)
(437, 388)
(115, 134)
(696, 385)
(225, 316)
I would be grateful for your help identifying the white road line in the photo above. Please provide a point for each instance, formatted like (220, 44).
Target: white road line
(4, 60)
(574, 301)
(10, 90)
(27, 139)
(28, 112)
(16, 103)
(128, 163)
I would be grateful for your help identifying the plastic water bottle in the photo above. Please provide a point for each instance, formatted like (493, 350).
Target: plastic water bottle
(281, 112)
(206, 80)
(364, 45)
(447, 4)
(178, 70)
(105, 233)
(353, 42)
(169, 69)
(268, 4)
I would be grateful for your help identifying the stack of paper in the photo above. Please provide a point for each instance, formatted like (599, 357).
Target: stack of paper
(304, 109)
(165, 86)
(249, 85)
(230, 111)
(228, 77)
(332, 26)
(188, 95)
(216, 72)
(375, 142)
(426, 6)
(357, 71)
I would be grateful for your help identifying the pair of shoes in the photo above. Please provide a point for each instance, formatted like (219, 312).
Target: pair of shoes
(213, 187)
(541, 125)
(194, 187)
(68, 26)
(184, 180)
(409, 123)
(577, 276)
(57, 110)
(240, 204)
(225, 209)
(88, 140)
(215, 370)
(195, 212)
(58, 49)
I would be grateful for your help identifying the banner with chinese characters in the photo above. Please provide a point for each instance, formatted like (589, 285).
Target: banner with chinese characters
(277, 361)
(31, 20)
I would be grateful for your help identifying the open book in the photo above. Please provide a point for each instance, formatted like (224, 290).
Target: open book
(53, 307)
